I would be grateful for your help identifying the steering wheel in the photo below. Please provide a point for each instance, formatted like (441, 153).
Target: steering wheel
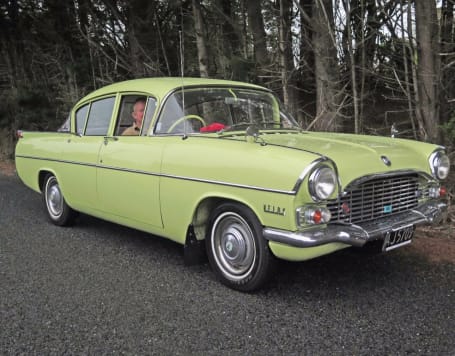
(183, 118)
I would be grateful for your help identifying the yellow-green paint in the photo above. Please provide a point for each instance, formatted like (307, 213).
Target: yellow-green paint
(157, 183)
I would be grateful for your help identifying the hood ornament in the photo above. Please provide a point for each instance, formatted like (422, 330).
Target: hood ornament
(252, 131)
(253, 135)
(386, 161)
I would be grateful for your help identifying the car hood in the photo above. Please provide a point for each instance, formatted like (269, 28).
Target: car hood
(358, 155)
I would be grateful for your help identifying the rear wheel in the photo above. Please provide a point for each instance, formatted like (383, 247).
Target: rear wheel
(237, 251)
(57, 210)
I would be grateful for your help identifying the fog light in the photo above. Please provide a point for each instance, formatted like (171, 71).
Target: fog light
(437, 192)
(433, 192)
(442, 191)
(313, 215)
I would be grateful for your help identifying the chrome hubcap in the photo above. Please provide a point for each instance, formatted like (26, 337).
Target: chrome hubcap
(54, 198)
(233, 245)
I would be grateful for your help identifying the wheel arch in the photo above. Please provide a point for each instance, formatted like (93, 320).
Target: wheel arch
(195, 246)
(58, 210)
(41, 177)
(203, 211)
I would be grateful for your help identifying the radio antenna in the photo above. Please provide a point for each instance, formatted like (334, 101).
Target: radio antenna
(182, 63)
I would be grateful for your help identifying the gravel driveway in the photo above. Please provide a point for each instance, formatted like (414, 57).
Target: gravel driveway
(98, 288)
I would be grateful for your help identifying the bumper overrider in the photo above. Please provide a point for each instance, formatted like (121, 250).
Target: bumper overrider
(357, 235)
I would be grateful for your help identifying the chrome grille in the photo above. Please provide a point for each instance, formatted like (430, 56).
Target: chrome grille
(377, 198)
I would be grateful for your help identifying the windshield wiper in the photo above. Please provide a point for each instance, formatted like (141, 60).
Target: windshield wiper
(237, 125)
(264, 125)
(259, 125)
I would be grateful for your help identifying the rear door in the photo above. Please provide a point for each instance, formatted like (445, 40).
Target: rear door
(81, 153)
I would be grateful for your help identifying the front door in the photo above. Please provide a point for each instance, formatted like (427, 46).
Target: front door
(128, 179)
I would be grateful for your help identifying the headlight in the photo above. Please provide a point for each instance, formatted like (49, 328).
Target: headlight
(440, 165)
(322, 183)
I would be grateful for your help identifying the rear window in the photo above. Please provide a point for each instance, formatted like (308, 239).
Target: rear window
(66, 126)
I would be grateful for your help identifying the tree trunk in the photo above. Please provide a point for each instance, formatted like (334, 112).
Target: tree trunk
(406, 48)
(136, 65)
(306, 82)
(232, 58)
(448, 58)
(428, 68)
(352, 67)
(413, 54)
(286, 57)
(231, 39)
(256, 25)
(200, 39)
(326, 67)
(306, 35)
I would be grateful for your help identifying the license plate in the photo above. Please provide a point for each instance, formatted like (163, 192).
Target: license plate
(397, 238)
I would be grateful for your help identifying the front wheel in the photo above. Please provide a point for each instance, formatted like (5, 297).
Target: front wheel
(237, 251)
(57, 210)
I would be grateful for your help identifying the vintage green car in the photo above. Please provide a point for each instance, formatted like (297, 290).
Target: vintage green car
(219, 166)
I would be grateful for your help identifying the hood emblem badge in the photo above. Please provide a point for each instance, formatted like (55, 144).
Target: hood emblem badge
(386, 161)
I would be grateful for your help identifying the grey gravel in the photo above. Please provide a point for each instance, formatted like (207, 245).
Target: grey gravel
(98, 288)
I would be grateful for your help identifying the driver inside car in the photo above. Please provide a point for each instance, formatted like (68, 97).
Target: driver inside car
(138, 115)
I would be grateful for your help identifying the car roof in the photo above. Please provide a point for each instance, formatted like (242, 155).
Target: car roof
(161, 86)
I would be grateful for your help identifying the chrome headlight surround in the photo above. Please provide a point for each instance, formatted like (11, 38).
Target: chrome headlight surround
(439, 165)
(322, 183)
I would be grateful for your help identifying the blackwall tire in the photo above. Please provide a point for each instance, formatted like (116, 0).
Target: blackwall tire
(237, 251)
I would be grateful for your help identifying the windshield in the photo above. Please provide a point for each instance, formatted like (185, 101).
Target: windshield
(206, 110)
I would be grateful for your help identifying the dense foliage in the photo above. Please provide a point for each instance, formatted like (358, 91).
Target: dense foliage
(346, 65)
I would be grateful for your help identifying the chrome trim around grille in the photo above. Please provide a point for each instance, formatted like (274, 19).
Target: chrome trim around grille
(432, 212)
(385, 175)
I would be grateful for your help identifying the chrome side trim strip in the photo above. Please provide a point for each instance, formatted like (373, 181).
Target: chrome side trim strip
(127, 170)
(170, 176)
(208, 181)
(243, 186)
(58, 161)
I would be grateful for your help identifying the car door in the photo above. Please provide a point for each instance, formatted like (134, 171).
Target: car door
(129, 171)
(92, 121)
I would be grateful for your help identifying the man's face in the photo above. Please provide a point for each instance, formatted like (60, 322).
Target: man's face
(138, 112)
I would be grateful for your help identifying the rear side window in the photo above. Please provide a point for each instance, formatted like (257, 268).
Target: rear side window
(99, 117)
(81, 115)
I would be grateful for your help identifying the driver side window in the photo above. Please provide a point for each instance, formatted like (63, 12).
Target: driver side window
(129, 120)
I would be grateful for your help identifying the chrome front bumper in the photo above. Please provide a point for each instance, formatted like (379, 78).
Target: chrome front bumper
(356, 235)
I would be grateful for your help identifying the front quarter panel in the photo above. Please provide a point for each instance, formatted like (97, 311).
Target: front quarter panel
(260, 177)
